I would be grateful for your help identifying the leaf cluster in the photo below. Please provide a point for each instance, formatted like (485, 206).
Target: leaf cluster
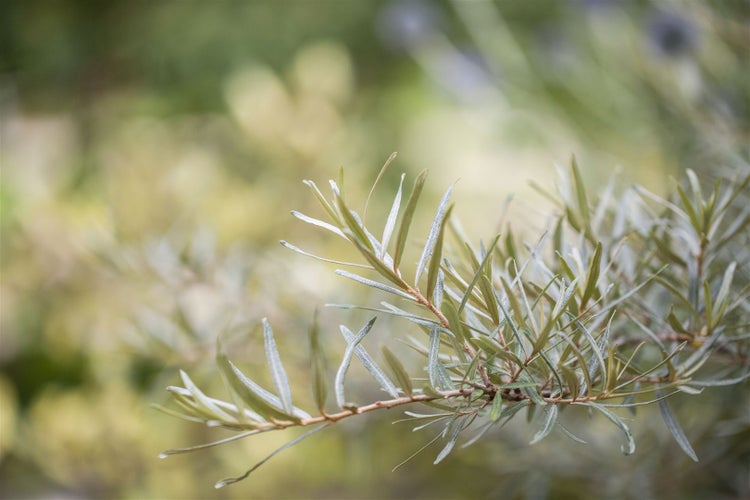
(627, 299)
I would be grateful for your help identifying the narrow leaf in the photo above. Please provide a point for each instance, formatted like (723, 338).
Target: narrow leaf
(497, 408)
(722, 382)
(378, 265)
(390, 222)
(674, 427)
(593, 275)
(319, 223)
(278, 374)
(374, 284)
(720, 303)
(319, 366)
(288, 245)
(439, 378)
(454, 320)
(346, 361)
(437, 294)
(377, 181)
(377, 373)
(583, 205)
(457, 428)
(255, 396)
(629, 447)
(436, 257)
(204, 400)
(402, 377)
(432, 236)
(550, 419)
(407, 217)
(478, 273)
(321, 199)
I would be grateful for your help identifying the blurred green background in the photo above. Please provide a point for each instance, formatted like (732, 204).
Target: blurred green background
(151, 152)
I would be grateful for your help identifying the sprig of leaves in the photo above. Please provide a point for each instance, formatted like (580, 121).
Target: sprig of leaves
(628, 299)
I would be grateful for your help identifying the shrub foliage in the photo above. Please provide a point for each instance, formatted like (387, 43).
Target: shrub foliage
(627, 299)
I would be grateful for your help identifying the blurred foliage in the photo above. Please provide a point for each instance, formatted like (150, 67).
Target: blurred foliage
(149, 152)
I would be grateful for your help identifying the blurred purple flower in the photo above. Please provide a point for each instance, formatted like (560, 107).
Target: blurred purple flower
(672, 34)
(403, 24)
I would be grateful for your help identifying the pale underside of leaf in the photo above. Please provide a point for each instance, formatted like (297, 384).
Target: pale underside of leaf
(278, 374)
(432, 235)
(377, 373)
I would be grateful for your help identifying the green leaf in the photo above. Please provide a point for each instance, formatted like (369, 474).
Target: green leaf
(322, 200)
(515, 305)
(437, 293)
(496, 410)
(319, 223)
(288, 245)
(204, 401)
(583, 204)
(346, 361)
(173, 413)
(593, 275)
(510, 410)
(488, 345)
(721, 301)
(377, 180)
(674, 427)
(721, 382)
(477, 275)
(407, 217)
(490, 298)
(674, 322)
(629, 447)
(689, 208)
(569, 434)
(432, 236)
(390, 222)
(695, 185)
(374, 284)
(571, 381)
(597, 362)
(587, 383)
(377, 373)
(511, 323)
(254, 396)
(678, 295)
(356, 229)
(550, 419)
(378, 265)
(454, 320)
(319, 366)
(402, 377)
(458, 426)
(434, 269)
(439, 378)
(278, 374)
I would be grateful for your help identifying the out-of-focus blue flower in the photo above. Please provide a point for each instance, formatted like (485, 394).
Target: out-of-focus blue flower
(404, 24)
(463, 73)
(601, 4)
(671, 33)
